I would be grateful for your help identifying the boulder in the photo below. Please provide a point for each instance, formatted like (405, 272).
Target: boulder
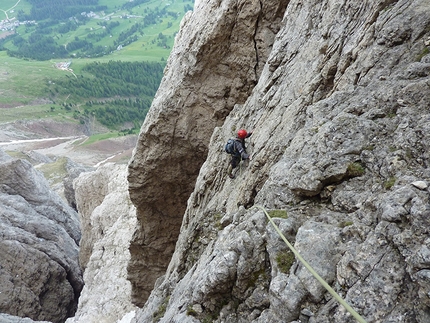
(40, 275)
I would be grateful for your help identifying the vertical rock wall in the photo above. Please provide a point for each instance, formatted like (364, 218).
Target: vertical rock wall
(207, 74)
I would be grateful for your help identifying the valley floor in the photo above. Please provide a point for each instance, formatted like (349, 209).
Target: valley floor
(63, 140)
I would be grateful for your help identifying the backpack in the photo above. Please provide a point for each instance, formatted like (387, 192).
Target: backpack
(229, 147)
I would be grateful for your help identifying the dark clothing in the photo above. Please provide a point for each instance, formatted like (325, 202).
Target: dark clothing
(235, 160)
(239, 154)
(240, 151)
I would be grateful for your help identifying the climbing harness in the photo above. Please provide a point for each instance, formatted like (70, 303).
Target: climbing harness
(312, 271)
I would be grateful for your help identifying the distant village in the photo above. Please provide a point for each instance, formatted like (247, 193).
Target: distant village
(12, 23)
(8, 24)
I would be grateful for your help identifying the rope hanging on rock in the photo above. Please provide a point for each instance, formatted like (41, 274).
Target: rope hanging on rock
(313, 272)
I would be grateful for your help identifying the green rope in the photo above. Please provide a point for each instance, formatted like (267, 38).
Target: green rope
(313, 272)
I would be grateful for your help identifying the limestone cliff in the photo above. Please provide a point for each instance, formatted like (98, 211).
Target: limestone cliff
(338, 94)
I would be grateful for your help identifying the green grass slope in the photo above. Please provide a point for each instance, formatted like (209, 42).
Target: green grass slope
(138, 31)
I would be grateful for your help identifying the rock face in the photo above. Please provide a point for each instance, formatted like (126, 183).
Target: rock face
(208, 74)
(108, 219)
(338, 95)
(40, 277)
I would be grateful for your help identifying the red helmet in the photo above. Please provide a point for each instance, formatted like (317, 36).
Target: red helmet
(242, 134)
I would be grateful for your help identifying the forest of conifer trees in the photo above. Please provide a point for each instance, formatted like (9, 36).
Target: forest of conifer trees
(118, 92)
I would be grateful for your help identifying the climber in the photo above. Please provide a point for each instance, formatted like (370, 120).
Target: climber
(236, 148)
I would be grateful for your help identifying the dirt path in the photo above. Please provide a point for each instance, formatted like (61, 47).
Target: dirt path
(64, 140)
(5, 11)
(29, 141)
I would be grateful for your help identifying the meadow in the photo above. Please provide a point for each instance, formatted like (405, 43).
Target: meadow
(6, 6)
(23, 91)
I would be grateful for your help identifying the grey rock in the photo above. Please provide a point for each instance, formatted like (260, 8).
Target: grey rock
(40, 274)
(37, 158)
(106, 296)
(73, 172)
(420, 184)
(200, 66)
(340, 119)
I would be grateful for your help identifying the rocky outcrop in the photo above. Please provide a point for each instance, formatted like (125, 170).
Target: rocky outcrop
(40, 277)
(340, 157)
(58, 171)
(73, 171)
(109, 220)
